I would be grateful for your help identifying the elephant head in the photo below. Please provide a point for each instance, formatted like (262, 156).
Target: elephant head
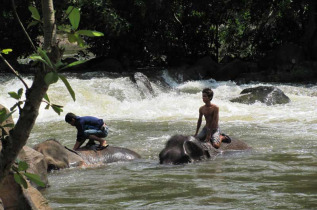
(57, 156)
(181, 149)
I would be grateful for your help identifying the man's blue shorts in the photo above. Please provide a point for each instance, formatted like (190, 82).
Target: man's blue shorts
(99, 133)
(215, 135)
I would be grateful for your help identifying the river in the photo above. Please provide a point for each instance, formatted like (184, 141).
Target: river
(279, 173)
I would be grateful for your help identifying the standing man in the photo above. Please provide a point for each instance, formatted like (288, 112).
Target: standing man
(88, 127)
(211, 132)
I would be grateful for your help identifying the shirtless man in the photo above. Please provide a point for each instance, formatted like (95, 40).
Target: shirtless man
(210, 133)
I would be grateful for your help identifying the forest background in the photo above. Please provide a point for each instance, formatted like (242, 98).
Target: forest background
(274, 40)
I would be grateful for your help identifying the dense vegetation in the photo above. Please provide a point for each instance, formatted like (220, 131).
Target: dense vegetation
(169, 32)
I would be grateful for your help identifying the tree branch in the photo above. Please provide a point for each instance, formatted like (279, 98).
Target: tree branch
(19, 21)
(14, 72)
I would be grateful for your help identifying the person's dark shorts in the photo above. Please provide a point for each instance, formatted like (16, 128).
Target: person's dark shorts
(99, 133)
(215, 135)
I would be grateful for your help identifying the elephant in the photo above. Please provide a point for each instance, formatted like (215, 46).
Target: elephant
(180, 149)
(58, 157)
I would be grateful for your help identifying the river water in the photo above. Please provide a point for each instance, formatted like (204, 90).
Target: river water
(279, 173)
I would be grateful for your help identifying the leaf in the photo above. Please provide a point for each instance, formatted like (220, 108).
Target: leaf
(35, 13)
(35, 178)
(65, 28)
(73, 64)
(6, 51)
(23, 166)
(57, 109)
(20, 180)
(89, 33)
(80, 41)
(33, 23)
(74, 17)
(3, 111)
(43, 55)
(4, 116)
(51, 77)
(38, 58)
(8, 125)
(69, 10)
(71, 38)
(14, 95)
(59, 64)
(46, 97)
(47, 106)
(20, 92)
(69, 88)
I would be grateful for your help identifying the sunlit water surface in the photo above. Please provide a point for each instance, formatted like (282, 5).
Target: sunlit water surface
(279, 173)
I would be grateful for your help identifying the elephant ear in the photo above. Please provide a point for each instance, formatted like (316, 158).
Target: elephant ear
(193, 150)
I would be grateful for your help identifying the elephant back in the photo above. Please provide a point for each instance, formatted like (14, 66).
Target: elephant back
(235, 144)
(107, 155)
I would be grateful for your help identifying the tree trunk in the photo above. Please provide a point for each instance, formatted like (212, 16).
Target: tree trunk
(20, 133)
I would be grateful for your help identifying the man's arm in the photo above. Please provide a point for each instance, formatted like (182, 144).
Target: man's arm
(77, 145)
(199, 121)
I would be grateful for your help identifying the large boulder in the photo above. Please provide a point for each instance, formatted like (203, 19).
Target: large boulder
(144, 85)
(265, 94)
(15, 197)
(36, 162)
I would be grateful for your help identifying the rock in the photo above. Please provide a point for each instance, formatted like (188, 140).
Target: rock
(1, 205)
(36, 162)
(143, 84)
(265, 94)
(35, 198)
(14, 197)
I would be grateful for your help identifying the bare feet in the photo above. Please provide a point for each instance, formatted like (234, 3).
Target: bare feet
(103, 144)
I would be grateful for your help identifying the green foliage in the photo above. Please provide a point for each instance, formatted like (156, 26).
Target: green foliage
(6, 51)
(35, 13)
(20, 174)
(73, 34)
(21, 166)
(3, 117)
(74, 16)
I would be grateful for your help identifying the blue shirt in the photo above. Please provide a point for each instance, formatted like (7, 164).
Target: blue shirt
(87, 123)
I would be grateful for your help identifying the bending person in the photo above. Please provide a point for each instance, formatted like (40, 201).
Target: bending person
(88, 127)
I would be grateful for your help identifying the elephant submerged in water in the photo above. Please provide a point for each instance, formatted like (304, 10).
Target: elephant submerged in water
(181, 149)
(57, 156)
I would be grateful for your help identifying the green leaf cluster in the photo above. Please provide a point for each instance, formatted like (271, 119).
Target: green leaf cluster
(57, 108)
(20, 174)
(5, 51)
(73, 34)
(3, 117)
(17, 96)
(35, 15)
